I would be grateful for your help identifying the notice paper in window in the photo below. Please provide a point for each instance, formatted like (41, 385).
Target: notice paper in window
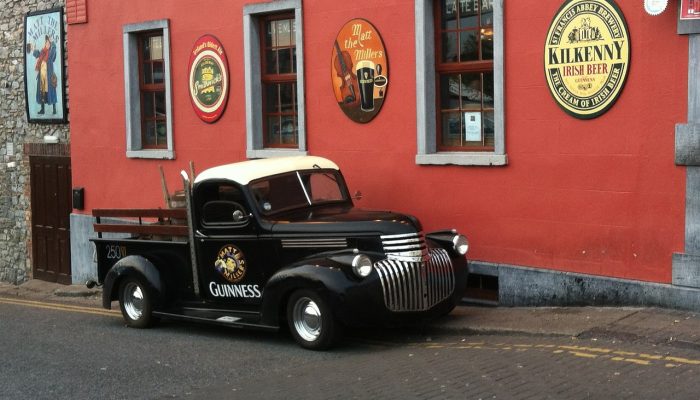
(472, 126)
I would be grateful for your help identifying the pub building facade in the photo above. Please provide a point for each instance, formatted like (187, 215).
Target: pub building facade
(557, 135)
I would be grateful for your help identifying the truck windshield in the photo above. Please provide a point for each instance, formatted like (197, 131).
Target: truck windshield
(298, 190)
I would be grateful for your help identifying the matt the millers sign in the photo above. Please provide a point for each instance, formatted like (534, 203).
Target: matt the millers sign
(586, 57)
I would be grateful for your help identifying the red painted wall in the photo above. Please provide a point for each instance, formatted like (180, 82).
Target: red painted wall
(600, 197)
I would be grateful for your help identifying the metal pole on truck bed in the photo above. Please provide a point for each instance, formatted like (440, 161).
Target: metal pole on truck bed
(193, 255)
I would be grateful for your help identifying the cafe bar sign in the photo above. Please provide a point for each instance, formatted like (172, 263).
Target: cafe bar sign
(208, 78)
(689, 9)
(586, 57)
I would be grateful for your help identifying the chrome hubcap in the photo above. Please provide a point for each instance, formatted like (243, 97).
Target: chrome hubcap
(133, 301)
(307, 319)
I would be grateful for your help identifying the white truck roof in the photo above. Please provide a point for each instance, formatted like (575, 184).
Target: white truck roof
(246, 171)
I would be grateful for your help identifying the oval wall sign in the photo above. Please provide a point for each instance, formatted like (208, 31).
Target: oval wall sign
(359, 70)
(586, 57)
(208, 78)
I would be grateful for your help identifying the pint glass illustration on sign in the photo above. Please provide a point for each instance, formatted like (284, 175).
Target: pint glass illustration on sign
(208, 78)
(359, 70)
(587, 56)
(44, 82)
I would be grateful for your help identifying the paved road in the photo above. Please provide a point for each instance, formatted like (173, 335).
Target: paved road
(53, 351)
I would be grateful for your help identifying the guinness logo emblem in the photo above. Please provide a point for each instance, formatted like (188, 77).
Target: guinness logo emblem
(586, 57)
(230, 263)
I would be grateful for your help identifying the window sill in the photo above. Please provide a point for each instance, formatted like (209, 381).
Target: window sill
(269, 153)
(456, 158)
(156, 154)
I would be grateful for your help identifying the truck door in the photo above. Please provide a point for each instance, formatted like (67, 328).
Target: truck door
(230, 257)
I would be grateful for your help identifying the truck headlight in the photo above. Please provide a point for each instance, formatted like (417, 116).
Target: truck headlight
(361, 265)
(461, 244)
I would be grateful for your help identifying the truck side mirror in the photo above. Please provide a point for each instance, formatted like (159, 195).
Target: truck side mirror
(357, 195)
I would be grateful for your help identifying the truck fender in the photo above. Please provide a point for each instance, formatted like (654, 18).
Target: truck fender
(323, 277)
(131, 266)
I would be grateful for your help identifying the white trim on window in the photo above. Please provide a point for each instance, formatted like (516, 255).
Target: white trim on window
(253, 86)
(425, 93)
(132, 96)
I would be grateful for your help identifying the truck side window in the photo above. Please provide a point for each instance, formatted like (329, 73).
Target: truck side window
(223, 205)
(219, 212)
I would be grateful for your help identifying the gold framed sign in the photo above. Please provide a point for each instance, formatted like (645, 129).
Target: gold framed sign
(587, 56)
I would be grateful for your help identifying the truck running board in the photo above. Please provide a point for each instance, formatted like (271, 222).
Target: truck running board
(221, 319)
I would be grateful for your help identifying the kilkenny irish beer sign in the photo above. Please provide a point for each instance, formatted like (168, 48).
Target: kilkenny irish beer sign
(208, 78)
(586, 57)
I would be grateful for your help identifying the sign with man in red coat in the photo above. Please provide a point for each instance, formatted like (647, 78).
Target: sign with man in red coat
(43, 66)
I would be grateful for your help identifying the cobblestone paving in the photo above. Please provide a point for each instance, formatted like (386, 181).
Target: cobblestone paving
(488, 367)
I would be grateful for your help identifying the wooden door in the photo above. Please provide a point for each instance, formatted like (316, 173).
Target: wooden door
(51, 207)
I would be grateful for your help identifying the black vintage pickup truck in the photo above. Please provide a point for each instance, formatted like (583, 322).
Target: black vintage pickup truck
(266, 242)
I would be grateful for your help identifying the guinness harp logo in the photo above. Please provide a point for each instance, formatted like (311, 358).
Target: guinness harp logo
(586, 57)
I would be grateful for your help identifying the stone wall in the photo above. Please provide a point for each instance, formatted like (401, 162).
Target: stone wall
(15, 132)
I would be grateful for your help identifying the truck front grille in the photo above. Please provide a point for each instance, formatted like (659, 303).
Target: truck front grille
(416, 286)
(408, 247)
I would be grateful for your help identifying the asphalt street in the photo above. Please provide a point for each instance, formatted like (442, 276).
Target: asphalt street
(68, 351)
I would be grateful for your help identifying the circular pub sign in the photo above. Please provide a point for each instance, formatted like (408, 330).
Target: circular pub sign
(359, 70)
(208, 78)
(586, 57)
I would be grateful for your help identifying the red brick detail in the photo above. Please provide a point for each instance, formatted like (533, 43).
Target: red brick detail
(76, 11)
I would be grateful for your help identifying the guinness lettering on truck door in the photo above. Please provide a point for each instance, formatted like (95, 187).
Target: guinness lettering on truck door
(586, 56)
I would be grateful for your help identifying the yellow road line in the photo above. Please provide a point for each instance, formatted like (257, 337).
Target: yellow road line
(642, 359)
(591, 349)
(584, 355)
(632, 360)
(58, 307)
(624, 353)
(682, 360)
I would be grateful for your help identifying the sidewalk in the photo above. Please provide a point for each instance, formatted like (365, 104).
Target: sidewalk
(35, 289)
(649, 325)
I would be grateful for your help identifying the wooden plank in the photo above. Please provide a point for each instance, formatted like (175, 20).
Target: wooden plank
(164, 186)
(141, 213)
(172, 230)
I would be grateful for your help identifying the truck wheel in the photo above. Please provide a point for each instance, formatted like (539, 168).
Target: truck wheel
(311, 321)
(136, 303)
